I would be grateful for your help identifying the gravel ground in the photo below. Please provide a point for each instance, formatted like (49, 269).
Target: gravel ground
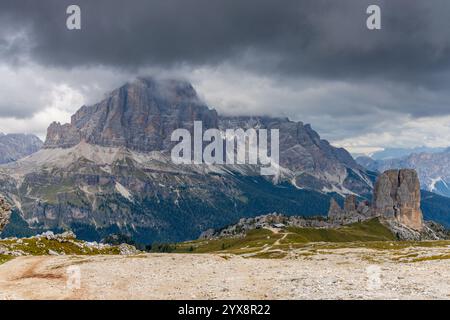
(337, 274)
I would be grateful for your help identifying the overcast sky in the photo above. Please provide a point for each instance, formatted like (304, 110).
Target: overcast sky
(311, 60)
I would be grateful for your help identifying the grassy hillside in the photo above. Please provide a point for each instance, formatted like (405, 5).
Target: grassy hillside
(371, 230)
(157, 218)
(41, 246)
(263, 239)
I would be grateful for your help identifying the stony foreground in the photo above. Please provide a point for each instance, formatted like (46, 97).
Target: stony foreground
(345, 273)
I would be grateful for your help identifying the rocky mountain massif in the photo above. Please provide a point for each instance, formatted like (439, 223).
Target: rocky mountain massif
(109, 170)
(433, 168)
(396, 153)
(141, 116)
(17, 146)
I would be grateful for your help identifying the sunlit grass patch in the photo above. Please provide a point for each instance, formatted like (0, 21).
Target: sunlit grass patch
(270, 255)
(371, 230)
(5, 258)
(38, 246)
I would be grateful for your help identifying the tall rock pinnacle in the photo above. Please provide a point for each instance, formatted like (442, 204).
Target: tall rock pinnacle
(397, 196)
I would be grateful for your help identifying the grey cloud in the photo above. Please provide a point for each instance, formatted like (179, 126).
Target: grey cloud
(319, 37)
(324, 66)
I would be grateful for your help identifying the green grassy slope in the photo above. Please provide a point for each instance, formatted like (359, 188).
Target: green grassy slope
(371, 230)
(259, 239)
(43, 246)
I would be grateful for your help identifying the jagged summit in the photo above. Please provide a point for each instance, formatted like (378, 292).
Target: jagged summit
(140, 115)
(110, 169)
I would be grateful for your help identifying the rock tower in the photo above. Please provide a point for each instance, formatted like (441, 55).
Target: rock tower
(397, 196)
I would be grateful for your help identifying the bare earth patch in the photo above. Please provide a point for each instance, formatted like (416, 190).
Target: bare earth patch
(307, 273)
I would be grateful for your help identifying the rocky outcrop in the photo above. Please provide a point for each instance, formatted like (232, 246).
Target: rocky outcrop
(430, 231)
(396, 202)
(62, 136)
(397, 196)
(350, 204)
(353, 211)
(268, 221)
(364, 208)
(5, 212)
(335, 210)
(17, 146)
(65, 243)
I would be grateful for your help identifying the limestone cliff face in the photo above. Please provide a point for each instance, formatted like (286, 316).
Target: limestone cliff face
(315, 162)
(5, 212)
(139, 115)
(62, 136)
(397, 196)
(110, 169)
(353, 211)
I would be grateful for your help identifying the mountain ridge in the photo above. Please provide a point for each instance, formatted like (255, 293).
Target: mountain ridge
(433, 169)
(14, 146)
(142, 115)
(109, 171)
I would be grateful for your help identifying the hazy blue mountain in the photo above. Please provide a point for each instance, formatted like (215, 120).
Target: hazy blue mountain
(16, 146)
(433, 169)
(393, 153)
(436, 208)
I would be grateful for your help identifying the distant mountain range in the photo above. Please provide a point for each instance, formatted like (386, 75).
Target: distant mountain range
(16, 146)
(109, 170)
(433, 168)
(395, 153)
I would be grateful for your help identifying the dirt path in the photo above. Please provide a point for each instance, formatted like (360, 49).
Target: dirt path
(342, 274)
(267, 248)
(278, 242)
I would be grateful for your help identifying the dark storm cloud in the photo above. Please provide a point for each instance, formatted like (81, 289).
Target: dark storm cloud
(318, 37)
(312, 60)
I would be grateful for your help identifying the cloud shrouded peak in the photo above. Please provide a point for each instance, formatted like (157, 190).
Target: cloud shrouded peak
(310, 60)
